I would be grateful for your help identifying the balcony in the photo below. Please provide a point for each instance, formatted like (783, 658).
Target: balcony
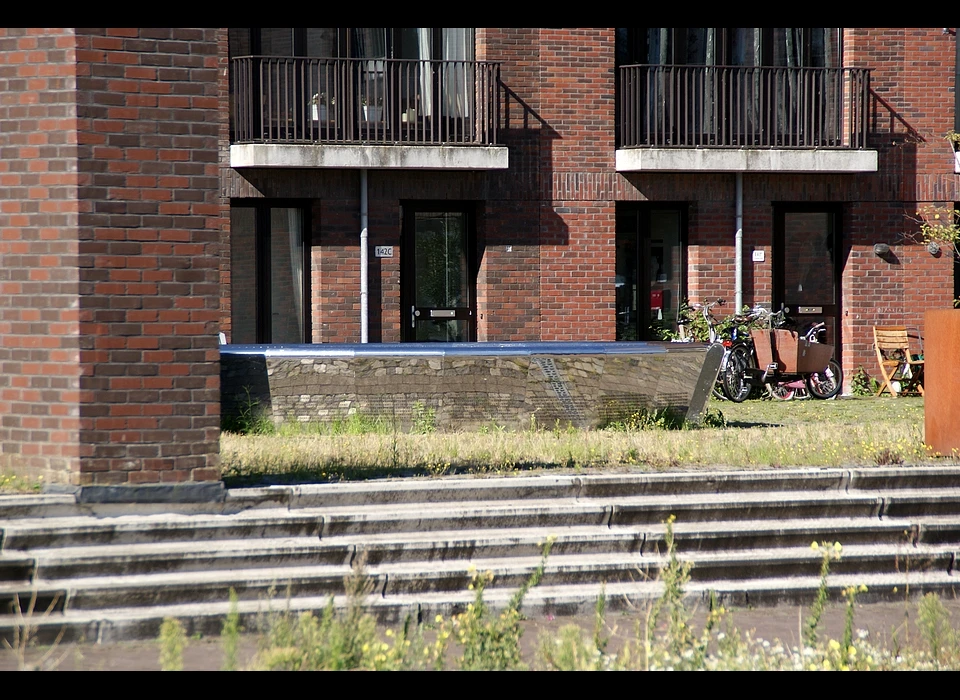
(743, 119)
(365, 113)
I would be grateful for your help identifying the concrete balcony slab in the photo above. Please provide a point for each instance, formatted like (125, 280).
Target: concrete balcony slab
(397, 157)
(745, 160)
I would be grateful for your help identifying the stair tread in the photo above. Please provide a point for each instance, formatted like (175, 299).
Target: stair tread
(506, 565)
(570, 533)
(494, 595)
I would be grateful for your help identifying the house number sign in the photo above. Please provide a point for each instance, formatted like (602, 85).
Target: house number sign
(383, 251)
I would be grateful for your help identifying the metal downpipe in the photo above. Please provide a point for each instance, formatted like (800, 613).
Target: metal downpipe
(738, 248)
(364, 331)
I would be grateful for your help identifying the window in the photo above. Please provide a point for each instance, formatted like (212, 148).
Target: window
(268, 263)
(352, 84)
(732, 87)
(813, 47)
(419, 43)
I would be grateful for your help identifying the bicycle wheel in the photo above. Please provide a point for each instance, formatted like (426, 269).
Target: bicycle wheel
(735, 384)
(828, 383)
(780, 392)
(718, 390)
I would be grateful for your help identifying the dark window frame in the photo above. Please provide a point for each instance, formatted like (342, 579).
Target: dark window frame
(641, 211)
(263, 268)
(632, 45)
(841, 249)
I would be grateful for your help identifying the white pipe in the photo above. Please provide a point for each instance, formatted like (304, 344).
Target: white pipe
(364, 334)
(738, 248)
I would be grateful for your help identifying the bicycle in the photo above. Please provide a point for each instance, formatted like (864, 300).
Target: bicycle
(688, 335)
(738, 353)
(740, 357)
(789, 380)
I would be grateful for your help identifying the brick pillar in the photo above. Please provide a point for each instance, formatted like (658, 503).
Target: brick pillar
(110, 262)
(39, 276)
(149, 225)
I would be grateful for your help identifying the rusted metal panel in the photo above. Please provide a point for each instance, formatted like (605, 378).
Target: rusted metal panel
(942, 381)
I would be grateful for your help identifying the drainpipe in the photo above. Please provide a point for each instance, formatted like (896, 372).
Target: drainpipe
(738, 247)
(363, 257)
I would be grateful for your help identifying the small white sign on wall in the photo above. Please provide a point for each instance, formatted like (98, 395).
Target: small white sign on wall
(758, 256)
(383, 251)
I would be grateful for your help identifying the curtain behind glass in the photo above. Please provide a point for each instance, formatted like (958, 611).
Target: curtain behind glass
(458, 79)
(276, 42)
(243, 275)
(425, 54)
(286, 276)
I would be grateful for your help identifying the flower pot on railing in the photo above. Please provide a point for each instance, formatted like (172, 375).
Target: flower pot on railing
(371, 113)
(319, 113)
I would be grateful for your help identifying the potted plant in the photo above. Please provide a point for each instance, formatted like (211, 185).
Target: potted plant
(318, 106)
(954, 138)
(939, 228)
(371, 112)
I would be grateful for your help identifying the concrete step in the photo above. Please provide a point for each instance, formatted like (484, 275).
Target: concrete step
(31, 599)
(423, 548)
(118, 569)
(456, 489)
(638, 512)
(124, 623)
(397, 578)
(16, 567)
(34, 533)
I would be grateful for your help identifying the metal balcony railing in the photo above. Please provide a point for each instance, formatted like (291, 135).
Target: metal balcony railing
(373, 101)
(742, 107)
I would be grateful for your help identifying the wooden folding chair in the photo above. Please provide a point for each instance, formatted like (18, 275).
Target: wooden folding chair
(902, 370)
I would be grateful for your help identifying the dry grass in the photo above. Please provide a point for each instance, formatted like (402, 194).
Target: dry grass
(759, 434)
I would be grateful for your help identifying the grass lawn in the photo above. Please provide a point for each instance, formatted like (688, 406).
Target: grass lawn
(761, 434)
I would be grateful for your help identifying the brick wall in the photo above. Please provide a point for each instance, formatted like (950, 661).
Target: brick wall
(108, 283)
(39, 276)
(149, 223)
(546, 226)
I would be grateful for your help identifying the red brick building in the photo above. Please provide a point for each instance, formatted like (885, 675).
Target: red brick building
(388, 185)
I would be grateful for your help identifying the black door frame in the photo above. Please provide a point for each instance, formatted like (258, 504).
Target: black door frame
(780, 209)
(642, 211)
(409, 210)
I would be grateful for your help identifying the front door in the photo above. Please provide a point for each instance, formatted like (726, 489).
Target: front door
(807, 259)
(439, 284)
(651, 268)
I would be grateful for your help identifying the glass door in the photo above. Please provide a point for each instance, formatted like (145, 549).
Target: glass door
(807, 264)
(268, 287)
(439, 285)
(650, 269)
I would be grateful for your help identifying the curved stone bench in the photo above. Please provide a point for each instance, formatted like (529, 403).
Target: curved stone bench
(467, 385)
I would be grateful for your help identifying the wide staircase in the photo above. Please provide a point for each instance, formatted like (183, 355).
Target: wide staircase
(112, 572)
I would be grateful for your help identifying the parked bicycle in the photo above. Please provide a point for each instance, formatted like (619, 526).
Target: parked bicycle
(740, 357)
(734, 334)
(790, 364)
(710, 327)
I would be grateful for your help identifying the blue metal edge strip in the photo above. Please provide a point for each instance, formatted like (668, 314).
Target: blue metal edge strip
(488, 349)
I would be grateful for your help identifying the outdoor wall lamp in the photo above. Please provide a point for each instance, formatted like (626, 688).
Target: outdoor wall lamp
(881, 249)
(933, 248)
